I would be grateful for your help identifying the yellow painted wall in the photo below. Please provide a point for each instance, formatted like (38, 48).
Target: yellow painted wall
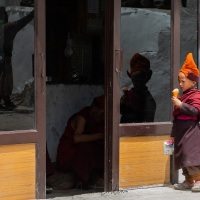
(142, 161)
(17, 172)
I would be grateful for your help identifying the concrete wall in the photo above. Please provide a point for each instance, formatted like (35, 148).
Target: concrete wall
(62, 102)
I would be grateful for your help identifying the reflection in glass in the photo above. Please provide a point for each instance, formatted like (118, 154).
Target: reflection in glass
(16, 63)
(145, 29)
(188, 31)
(137, 104)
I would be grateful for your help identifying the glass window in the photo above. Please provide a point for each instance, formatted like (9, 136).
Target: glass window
(16, 66)
(146, 44)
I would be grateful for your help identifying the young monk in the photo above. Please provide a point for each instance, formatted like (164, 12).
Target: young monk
(186, 129)
(81, 147)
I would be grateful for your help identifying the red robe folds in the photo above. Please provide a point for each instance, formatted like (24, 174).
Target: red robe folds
(186, 130)
(81, 157)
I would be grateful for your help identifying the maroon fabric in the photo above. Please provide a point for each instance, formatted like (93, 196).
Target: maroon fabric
(99, 101)
(82, 158)
(49, 166)
(187, 133)
(137, 106)
(191, 97)
(139, 63)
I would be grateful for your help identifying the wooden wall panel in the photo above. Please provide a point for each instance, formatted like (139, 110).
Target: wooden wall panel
(142, 161)
(17, 169)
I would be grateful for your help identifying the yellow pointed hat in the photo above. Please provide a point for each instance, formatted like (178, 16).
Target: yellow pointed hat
(190, 69)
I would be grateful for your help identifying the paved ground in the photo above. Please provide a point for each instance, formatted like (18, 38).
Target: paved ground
(151, 193)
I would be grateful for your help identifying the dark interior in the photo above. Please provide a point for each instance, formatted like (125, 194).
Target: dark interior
(74, 41)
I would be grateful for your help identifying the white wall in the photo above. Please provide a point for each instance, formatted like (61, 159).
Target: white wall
(62, 102)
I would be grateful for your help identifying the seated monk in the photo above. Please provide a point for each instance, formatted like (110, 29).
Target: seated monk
(81, 147)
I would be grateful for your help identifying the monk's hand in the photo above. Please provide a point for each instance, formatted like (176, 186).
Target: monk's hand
(125, 90)
(172, 139)
(176, 102)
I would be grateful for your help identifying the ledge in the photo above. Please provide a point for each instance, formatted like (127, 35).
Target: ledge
(145, 129)
(19, 9)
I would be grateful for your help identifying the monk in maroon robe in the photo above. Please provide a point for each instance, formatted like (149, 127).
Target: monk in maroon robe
(186, 128)
(81, 147)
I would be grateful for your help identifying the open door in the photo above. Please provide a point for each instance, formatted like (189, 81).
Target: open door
(23, 110)
(150, 39)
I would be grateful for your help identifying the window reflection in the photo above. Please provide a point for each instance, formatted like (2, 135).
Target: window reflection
(16, 77)
(188, 31)
(137, 104)
(145, 29)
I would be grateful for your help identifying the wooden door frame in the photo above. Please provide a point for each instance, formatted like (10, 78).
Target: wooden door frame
(40, 76)
(112, 93)
(37, 136)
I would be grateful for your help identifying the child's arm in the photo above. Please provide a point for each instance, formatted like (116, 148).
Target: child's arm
(188, 109)
(184, 107)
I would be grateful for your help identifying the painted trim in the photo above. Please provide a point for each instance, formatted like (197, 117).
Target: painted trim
(145, 129)
(18, 137)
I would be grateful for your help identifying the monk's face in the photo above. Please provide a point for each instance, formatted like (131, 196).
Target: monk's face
(97, 113)
(185, 83)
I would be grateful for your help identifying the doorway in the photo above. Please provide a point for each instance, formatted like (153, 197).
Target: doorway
(74, 72)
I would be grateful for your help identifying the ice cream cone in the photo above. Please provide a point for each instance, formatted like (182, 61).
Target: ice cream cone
(175, 92)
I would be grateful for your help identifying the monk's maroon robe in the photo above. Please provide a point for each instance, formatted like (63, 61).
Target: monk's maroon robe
(137, 106)
(81, 157)
(186, 130)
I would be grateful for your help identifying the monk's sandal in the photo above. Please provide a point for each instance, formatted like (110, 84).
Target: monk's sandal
(196, 187)
(183, 186)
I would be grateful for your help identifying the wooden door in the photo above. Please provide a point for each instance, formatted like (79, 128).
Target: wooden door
(141, 157)
(23, 126)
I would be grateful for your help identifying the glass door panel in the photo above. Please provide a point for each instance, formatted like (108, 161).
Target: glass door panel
(146, 44)
(17, 105)
(189, 30)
